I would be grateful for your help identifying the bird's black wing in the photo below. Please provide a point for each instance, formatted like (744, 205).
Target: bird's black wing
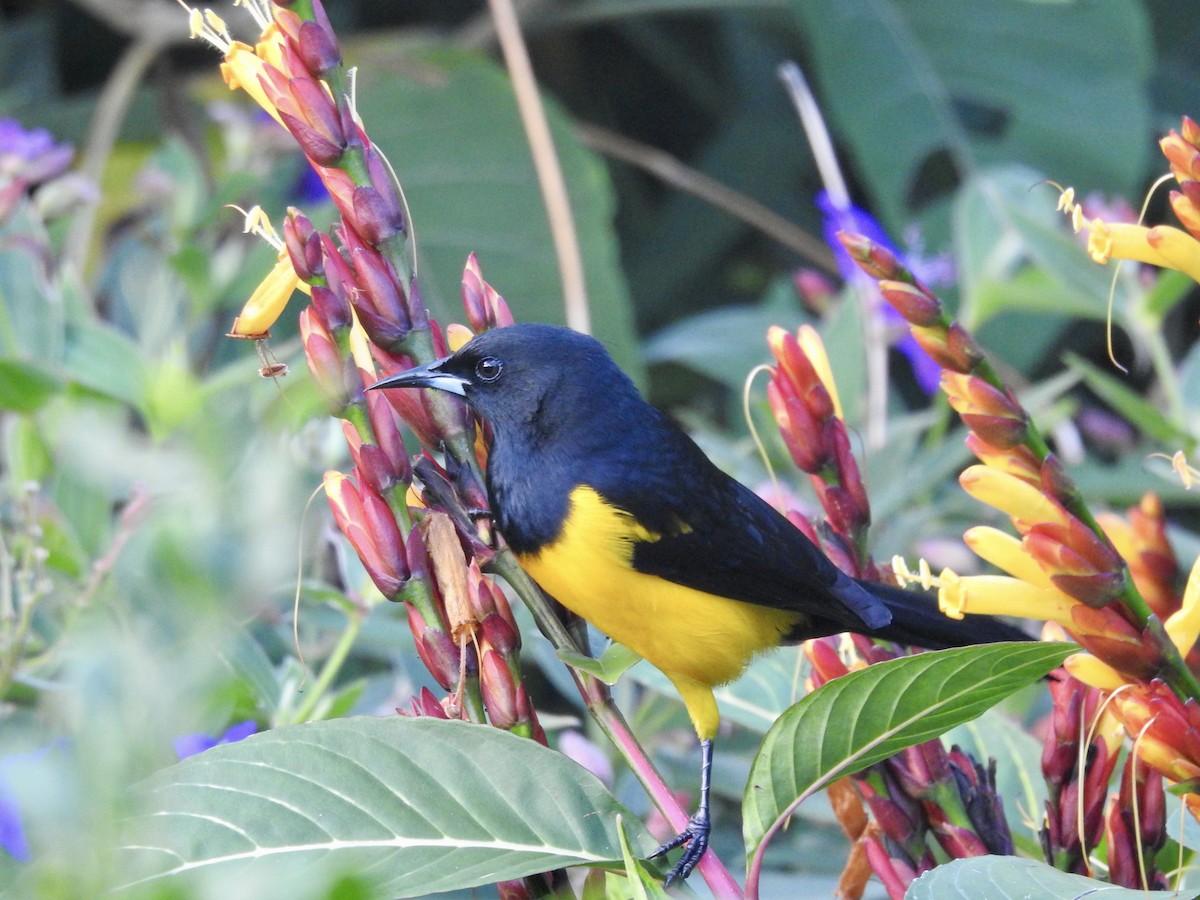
(718, 536)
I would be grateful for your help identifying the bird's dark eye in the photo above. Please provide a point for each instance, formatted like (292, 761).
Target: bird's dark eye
(488, 369)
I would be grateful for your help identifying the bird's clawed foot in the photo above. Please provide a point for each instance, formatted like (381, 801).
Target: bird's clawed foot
(695, 836)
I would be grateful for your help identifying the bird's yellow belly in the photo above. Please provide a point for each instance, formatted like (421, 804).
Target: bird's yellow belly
(692, 636)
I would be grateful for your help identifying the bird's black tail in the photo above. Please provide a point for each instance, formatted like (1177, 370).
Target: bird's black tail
(917, 622)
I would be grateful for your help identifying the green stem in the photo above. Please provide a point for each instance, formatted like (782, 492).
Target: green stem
(330, 668)
(472, 699)
(1164, 369)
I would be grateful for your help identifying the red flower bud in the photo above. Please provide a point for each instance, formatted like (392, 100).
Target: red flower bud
(425, 704)
(798, 427)
(917, 306)
(303, 245)
(436, 650)
(499, 690)
(374, 218)
(874, 259)
(895, 874)
(318, 48)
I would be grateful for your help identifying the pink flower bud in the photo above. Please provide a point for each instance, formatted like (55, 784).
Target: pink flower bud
(498, 689)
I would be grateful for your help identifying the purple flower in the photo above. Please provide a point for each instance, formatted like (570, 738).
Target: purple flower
(14, 771)
(30, 157)
(191, 744)
(925, 370)
(12, 833)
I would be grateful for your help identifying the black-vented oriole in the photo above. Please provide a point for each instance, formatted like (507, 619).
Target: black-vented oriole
(619, 515)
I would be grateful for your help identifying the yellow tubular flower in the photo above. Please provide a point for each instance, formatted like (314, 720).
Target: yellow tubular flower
(810, 342)
(1000, 595)
(241, 69)
(268, 300)
(1180, 250)
(1010, 495)
(1006, 552)
(1183, 627)
(1094, 673)
(1162, 245)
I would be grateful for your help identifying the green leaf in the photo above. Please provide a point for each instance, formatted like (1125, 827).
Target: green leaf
(611, 664)
(1169, 288)
(1011, 878)
(448, 121)
(868, 715)
(24, 387)
(915, 87)
(1143, 414)
(106, 361)
(417, 806)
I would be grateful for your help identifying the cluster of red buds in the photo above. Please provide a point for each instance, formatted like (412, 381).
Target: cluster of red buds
(1079, 754)
(365, 320)
(921, 797)
(804, 399)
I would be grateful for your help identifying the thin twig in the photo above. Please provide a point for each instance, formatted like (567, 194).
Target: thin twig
(546, 163)
(679, 175)
(873, 324)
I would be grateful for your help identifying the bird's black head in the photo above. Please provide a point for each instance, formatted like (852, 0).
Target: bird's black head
(541, 377)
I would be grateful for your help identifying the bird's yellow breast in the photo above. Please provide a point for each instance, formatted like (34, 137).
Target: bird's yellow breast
(697, 639)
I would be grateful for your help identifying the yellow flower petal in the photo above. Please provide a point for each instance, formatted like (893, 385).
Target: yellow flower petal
(360, 346)
(1094, 673)
(1004, 551)
(810, 342)
(1183, 627)
(1010, 494)
(457, 335)
(268, 300)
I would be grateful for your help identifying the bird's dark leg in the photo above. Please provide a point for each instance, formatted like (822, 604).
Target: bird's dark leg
(695, 835)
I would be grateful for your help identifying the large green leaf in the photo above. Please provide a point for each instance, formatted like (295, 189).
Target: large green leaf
(868, 715)
(416, 806)
(449, 124)
(910, 82)
(1012, 878)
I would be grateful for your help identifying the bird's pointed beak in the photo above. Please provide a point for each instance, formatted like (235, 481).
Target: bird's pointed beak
(427, 376)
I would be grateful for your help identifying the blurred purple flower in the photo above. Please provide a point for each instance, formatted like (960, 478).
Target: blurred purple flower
(309, 188)
(12, 833)
(852, 219)
(13, 771)
(191, 744)
(30, 157)
(577, 747)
